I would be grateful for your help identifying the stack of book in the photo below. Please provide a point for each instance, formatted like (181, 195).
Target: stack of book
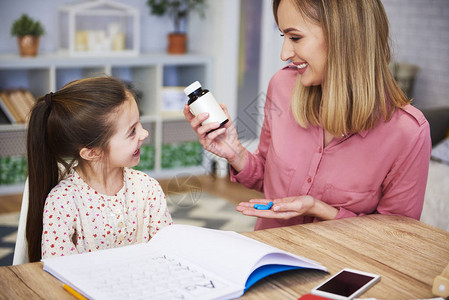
(16, 105)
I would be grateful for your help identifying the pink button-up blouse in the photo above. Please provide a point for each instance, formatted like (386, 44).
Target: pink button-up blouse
(383, 170)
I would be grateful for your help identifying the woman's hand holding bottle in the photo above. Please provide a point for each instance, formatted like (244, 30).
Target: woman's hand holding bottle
(223, 142)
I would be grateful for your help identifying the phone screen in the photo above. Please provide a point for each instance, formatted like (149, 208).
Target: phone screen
(348, 283)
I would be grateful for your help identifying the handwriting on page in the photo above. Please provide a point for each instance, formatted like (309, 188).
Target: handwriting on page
(155, 277)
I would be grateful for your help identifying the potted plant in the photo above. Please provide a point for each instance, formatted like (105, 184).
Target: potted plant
(28, 32)
(178, 10)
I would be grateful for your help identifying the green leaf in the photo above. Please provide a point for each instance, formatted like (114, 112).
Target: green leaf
(27, 26)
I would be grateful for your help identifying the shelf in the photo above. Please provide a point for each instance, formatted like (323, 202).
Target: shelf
(176, 75)
(148, 74)
(64, 60)
(12, 78)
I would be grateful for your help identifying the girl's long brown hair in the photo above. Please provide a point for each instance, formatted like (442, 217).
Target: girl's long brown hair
(358, 89)
(75, 117)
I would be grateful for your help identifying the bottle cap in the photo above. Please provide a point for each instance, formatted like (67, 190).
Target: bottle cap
(191, 88)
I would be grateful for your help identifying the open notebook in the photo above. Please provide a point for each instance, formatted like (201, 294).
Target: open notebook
(181, 261)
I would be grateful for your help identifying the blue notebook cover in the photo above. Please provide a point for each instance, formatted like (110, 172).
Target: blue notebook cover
(265, 271)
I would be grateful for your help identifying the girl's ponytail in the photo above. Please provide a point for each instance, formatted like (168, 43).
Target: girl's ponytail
(43, 174)
(61, 124)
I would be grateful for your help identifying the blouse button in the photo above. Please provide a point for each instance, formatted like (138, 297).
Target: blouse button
(320, 150)
(309, 180)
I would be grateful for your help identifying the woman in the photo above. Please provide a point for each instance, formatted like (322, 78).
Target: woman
(343, 139)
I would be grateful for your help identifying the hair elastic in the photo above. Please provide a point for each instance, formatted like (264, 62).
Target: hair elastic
(47, 98)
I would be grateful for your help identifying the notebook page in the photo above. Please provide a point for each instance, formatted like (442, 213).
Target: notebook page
(137, 272)
(229, 254)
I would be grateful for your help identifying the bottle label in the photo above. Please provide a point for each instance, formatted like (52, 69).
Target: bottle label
(207, 103)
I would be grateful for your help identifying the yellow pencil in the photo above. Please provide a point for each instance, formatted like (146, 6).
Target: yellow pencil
(74, 293)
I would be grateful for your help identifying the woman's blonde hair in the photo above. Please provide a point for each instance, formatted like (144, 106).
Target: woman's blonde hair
(358, 89)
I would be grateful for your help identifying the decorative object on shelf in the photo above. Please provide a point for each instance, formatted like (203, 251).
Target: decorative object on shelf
(178, 10)
(173, 100)
(182, 154)
(28, 32)
(16, 105)
(13, 170)
(147, 158)
(99, 27)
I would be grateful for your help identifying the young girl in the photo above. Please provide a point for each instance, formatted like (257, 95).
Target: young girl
(339, 138)
(82, 141)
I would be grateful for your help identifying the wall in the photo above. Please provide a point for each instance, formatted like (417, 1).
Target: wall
(249, 70)
(218, 35)
(271, 41)
(420, 36)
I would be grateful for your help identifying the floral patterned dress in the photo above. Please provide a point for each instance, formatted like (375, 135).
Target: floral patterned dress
(78, 219)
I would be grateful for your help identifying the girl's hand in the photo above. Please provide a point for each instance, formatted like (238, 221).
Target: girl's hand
(222, 142)
(289, 207)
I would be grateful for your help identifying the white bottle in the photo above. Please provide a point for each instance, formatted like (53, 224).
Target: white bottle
(201, 100)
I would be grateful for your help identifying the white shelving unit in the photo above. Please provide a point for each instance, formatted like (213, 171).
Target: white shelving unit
(149, 73)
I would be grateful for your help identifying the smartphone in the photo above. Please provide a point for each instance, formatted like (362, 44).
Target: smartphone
(346, 284)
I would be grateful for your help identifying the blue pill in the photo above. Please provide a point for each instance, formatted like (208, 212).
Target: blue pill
(263, 207)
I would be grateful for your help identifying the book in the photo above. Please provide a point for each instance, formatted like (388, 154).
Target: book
(19, 102)
(4, 119)
(8, 108)
(180, 261)
(29, 98)
(16, 105)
